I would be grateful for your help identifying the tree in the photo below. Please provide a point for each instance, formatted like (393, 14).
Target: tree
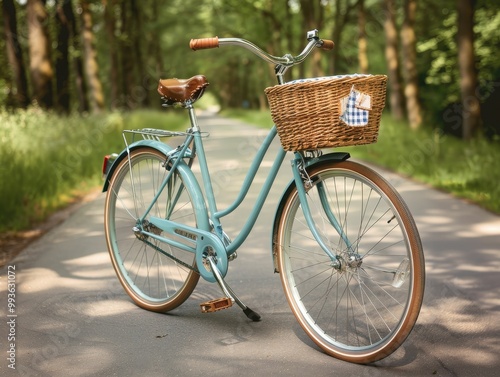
(110, 21)
(313, 16)
(63, 18)
(96, 96)
(80, 84)
(39, 49)
(471, 111)
(343, 9)
(14, 53)
(392, 58)
(410, 64)
(126, 51)
(362, 43)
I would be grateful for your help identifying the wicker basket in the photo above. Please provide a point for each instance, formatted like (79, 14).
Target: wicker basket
(307, 112)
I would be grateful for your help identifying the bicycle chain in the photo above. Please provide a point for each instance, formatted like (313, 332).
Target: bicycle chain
(182, 263)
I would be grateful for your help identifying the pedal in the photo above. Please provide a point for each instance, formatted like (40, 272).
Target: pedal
(215, 305)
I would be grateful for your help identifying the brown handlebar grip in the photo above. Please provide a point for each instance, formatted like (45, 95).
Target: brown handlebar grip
(204, 43)
(327, 44)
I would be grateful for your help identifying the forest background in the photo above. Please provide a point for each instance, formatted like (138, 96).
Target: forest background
(76, 72)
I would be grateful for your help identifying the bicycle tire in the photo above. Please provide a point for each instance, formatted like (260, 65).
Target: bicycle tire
(363, 306)
(153, 280)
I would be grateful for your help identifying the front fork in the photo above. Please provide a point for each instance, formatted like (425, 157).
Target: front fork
(303, 183)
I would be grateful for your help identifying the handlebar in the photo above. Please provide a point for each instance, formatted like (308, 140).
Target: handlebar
(285, 61)
(327, 44)
(204, 43)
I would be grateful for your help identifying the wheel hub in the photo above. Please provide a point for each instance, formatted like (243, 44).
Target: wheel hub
(349, 261)
(146, 226)
(354, 260)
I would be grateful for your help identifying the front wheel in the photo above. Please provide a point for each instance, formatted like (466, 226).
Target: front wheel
(362, 305)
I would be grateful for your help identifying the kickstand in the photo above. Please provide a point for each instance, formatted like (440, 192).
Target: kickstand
(254, 316)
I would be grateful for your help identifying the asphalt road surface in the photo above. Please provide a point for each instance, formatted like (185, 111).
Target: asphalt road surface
(72, 318)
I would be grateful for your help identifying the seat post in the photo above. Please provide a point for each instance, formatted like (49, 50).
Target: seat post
(192, 118)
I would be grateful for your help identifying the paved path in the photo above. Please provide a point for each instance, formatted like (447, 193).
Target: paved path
(73, 318)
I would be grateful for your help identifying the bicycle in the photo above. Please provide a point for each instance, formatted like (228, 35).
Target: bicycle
(343, 241)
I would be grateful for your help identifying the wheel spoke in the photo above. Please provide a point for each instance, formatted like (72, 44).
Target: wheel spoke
(354, 307)
(155, 279)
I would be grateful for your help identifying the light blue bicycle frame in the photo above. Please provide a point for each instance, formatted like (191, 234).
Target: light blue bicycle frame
(216, 215)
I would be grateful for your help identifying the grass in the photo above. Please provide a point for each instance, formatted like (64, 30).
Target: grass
(48, 161)
(468, 170)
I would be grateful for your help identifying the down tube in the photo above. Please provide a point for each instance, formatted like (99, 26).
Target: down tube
(245, 231)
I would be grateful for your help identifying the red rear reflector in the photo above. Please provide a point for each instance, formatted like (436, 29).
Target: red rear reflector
(108, 161)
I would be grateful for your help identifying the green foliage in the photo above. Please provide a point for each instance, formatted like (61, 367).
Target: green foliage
(47, 161)
(437, 48)
(156, 37)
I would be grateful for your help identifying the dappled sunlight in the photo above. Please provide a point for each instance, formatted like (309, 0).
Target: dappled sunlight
(88, 360)
(490, 229)
(452, 313)
(435, 220)
(89, 260)
(32, 283)
(491, 299)
(453, 330)
(35, 280)
(470, 355)
(112, 307)
(94, 266)
(94, 273)
(78, 318)
(81, 232)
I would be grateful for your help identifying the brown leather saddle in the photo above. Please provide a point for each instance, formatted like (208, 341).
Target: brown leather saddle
(182, 91)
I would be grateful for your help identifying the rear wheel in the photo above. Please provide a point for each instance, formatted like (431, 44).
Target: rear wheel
(361, 306)
(155, 280)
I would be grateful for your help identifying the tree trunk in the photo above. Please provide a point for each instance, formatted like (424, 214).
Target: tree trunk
(80, 85)
(337, 36)
(471, 111)
(362, 43)
(39, 48)
(126, 51)
(96, 97)
(396, 98)
(312, 14)
(110, 20)
(14, 53)
(140, 95)
(62, 59)
(342, 16)
(410, 64)
(156, 45)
